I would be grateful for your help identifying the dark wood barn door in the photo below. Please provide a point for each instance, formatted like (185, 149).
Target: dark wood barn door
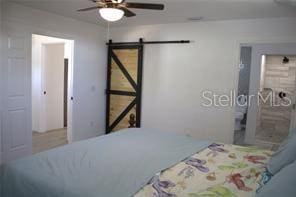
(124, 87)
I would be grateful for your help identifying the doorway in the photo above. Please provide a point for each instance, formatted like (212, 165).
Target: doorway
(52, 60)
(241, 108)
(277, 87)
(271, 113)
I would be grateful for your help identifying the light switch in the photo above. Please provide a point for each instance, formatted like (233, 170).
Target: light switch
(93, 88)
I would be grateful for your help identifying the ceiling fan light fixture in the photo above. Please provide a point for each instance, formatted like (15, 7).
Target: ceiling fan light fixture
(117, 1)
(111, 14)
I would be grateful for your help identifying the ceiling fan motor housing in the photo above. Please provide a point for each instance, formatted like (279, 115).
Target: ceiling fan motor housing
(112, 1)
(113, 10)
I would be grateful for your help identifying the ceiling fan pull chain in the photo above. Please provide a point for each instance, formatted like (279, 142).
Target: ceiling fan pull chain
(108, 31)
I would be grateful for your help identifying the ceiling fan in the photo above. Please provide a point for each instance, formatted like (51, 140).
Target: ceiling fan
(114, 10)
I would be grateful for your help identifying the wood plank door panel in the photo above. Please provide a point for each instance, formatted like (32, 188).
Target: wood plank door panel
(124, 87)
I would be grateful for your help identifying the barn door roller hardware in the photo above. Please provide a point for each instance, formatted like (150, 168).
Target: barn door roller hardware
(142, 42)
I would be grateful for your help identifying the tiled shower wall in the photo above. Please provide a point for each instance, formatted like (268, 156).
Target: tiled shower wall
(278, 77)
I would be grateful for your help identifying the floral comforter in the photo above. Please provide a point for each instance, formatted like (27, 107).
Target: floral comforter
(220, 170)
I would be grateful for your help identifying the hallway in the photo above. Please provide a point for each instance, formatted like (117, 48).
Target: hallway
(49, 140)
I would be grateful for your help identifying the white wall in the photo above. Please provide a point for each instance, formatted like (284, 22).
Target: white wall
(89, 62)
(1, 81)
(176, 75)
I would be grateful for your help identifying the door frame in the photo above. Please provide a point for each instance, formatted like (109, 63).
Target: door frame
(138, 87)
(257, 51)
(71, 44)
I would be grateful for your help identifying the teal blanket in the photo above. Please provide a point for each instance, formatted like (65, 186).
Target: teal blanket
(116, 165)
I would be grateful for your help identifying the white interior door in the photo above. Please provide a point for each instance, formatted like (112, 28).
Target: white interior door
(17, 134)
(53, 66)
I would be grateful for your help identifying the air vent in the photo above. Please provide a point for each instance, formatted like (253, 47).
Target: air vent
(198, 18)
(286, 2)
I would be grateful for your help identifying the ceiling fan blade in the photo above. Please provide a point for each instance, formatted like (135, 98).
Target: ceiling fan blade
(127, 12)
(88, 9)
(149, 6)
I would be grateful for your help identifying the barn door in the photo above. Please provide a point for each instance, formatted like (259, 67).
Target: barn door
(124, 87)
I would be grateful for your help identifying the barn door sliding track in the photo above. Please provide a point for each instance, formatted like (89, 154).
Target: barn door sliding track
(142, 42)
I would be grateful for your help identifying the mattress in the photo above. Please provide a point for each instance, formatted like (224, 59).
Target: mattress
(140, 163)
(113, 165)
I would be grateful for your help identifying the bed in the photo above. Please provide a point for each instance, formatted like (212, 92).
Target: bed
(137, 162)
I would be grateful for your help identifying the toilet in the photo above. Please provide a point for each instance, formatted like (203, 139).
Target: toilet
(240, 112)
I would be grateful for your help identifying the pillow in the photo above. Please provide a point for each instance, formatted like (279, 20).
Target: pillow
(266, 177)
(285, 155)
(282, 184)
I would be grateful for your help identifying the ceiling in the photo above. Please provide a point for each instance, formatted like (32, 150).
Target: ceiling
(176, 11)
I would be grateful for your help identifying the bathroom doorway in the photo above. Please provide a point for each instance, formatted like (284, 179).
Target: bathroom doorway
(267, 81)
(241, 107)
(275, 116)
